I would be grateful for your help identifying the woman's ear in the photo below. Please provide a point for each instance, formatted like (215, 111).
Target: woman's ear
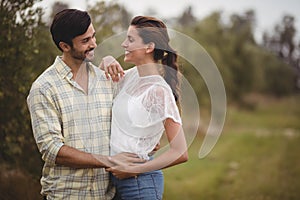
(150, 47)
(64, 46)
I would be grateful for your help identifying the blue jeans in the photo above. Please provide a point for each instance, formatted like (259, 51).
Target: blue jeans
(146, 186)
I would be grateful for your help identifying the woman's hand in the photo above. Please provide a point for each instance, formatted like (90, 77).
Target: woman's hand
(123, 170)
(112, 68)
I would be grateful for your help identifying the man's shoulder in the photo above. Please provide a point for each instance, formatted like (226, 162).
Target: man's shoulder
(46, 80)
(46, 76)
(99, 73)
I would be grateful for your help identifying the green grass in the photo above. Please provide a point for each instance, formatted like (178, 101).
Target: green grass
(256, 157)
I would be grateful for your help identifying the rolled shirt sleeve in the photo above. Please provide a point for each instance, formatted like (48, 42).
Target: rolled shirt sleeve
(63, 114)
(46, 124)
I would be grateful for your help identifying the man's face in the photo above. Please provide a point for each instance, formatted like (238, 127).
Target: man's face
(84, 45)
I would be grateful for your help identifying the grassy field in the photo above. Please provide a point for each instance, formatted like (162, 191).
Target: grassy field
(256, 158)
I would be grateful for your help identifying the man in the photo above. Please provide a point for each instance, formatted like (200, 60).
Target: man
(70, 106)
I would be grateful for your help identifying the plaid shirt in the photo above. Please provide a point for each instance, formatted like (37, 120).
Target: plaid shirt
(62, 114)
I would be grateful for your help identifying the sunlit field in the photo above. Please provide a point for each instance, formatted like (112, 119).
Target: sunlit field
(256, 157)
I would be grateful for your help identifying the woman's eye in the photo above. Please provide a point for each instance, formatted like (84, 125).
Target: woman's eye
(130, 39)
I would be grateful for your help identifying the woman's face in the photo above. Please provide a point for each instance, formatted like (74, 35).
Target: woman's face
(135, 49)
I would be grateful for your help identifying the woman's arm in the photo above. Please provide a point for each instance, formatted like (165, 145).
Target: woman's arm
(176, 154)
(112, 68)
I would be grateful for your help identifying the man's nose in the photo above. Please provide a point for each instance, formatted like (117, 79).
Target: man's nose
(93, 43)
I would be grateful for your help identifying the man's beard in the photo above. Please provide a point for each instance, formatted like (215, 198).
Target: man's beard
(82, 56)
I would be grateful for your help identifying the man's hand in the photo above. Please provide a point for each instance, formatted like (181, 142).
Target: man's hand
(112, 68)
(124, 158)
(125, 165)
(123, 170)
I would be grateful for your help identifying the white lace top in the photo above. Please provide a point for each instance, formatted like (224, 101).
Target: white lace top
(138, 113)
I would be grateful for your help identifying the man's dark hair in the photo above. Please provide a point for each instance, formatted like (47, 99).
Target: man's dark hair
(68, 24)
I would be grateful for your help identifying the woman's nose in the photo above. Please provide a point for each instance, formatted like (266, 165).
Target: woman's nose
(124, 45)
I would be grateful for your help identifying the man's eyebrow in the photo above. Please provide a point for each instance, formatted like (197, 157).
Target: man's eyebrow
(86, 38)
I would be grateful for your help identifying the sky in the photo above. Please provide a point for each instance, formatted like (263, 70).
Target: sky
(268, 12)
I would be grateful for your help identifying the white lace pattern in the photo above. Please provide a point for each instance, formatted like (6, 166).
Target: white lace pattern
(139, 111)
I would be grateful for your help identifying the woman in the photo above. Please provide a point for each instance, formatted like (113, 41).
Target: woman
(144, 108)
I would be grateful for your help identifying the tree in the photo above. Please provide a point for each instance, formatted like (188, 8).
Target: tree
(283, 44)
(244, 65)
(57, 7)
(23, 41)
(108, 18)
(187, 18)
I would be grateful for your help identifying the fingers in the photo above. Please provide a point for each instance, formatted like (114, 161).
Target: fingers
(108, 169)
(133, 158)
(137, 160)
(115, 71)
(111, 71)
(106, 75)
(120, 70)
(112, 68)
(121, 174)
(127, 159)
(132, 155)
(115, 161)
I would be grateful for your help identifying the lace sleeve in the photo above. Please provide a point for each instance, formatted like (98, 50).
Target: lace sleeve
(160, 103)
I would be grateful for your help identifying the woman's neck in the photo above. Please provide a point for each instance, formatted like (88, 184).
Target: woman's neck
(148, 69)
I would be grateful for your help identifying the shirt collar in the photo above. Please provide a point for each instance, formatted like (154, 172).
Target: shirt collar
(62, 68)
(65, 71)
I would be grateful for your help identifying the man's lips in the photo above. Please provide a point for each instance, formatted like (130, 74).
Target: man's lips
(90, 53)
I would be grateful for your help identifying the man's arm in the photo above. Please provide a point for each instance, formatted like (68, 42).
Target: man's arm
(50, 141)
(71, 157)
(47, 133)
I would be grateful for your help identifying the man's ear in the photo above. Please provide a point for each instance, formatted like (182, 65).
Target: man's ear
(64, 46)
(150, 47)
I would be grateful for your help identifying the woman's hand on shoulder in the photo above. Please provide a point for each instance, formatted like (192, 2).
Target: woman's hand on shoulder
(112, 68)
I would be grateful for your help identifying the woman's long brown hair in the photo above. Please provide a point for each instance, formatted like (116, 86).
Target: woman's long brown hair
(153, 30)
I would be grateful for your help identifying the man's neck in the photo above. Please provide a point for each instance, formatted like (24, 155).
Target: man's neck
(74, 64)
(79, 70)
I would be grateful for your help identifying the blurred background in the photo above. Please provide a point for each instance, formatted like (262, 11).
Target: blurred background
(258, 56)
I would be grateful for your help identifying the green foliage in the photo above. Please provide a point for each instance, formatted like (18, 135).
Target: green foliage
(24, 39)
(245, 66)
(280, 78)
(109, 18)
